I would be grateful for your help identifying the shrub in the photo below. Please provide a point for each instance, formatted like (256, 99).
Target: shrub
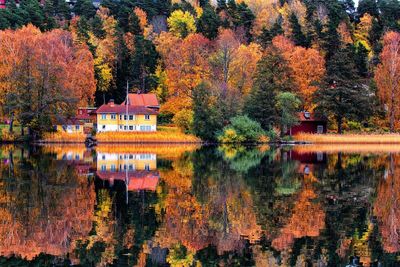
(184, 120)
(230, 135)
(249, 129)
(242, 129)
(6, 136)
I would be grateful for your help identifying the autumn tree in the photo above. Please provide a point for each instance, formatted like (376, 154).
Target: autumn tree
(387, 76)
(44, 76)
(181, 23)
(186, 66)
(307, 67)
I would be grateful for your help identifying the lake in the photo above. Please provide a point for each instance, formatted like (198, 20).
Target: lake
(200, 206)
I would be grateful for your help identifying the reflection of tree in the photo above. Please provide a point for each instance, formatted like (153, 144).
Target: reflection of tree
(45, 206)
(387, 208)
(308, 218)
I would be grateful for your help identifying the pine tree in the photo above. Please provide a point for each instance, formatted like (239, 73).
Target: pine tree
(272, 76)
(208, 23)
(361, 60)
(342, 94)
(32, 13)
(84, 8)
(297, 34)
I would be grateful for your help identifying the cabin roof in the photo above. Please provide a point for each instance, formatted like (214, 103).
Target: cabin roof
(309, 116)
(122, 109)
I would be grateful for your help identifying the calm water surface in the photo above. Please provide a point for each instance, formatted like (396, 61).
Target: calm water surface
(191, 206)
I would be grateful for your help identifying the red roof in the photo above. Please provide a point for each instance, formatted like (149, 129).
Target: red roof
(121, 109)
(146, 100)
(138, 180)
(309, 116)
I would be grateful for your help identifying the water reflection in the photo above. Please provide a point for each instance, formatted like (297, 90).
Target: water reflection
(190, 206)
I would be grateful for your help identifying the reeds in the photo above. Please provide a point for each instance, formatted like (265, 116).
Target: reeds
(349, 138)
(62, 137)
(169, 135)
(348, 148)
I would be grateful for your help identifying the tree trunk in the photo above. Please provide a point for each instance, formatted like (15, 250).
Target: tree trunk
(10, 129)
(22, 130)
(392, 113)
(339, 121)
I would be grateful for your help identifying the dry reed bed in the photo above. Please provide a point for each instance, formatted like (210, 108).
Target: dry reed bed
(159, 137)
(349, 138)
(62, 137)
(348, 148)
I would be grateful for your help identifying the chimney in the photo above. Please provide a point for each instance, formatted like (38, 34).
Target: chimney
(111, 102)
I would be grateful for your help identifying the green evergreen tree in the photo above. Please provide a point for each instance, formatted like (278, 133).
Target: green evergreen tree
(14, 15)
(272, 76)
(298, 36)
(32, 13)
(208, 23)
(206, 118)
(361, 60)
(84, 8)
(49, 13)
(4, 23)
(331, 40)
(368, 6)
(342, 95)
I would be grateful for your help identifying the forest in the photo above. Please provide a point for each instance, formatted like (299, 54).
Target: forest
(222, 70)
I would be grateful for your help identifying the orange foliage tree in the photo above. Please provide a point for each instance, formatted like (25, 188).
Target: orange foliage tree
(43, 75)
(387, 76)
(307, 65)
(186, 65)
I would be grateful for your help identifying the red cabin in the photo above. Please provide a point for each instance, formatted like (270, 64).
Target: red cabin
(309, 123)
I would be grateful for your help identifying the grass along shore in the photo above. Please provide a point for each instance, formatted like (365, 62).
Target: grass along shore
(348, 138)
(164, 134)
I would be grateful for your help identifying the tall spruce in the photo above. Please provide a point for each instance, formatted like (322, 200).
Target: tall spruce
(272, 76)
(342, 94)
(298, 36)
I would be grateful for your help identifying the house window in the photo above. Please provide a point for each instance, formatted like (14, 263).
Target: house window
(130, 127)
(103, 116)
(320, 129)
(147, 167)
(113, 168)
(120, 117)
(125, 127)
(120, 127)
(125, 117)
(320, 156)
(104, 127)
(131, 167)
(145, 128)
(76, 157)
(77, 127)
(103, 157)
(103, 168)
(113, 116)
(131, 117)
(147, 117)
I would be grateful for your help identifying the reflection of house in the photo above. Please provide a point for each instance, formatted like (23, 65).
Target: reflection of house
(138, 171)
(137, 114)
(309, 123)
(307, 161)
